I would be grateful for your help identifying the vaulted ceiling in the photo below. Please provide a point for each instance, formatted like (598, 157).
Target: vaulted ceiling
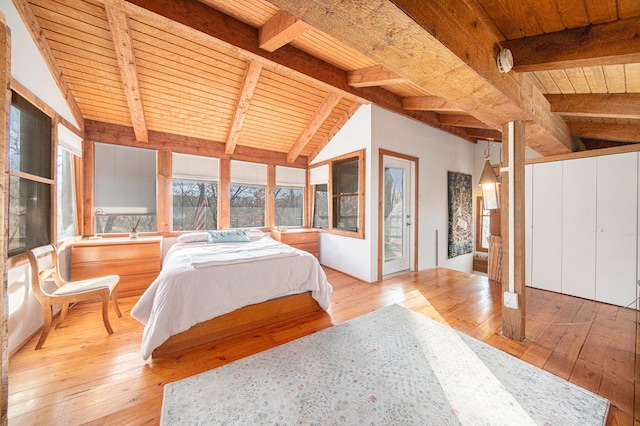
(285, 75)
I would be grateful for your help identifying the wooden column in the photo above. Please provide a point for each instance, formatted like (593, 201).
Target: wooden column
(224, 206)
(270, 200)
(5, 100)
(164, 219)
(88, 172)
(512, 229)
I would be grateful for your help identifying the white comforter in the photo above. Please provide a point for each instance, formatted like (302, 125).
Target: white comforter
(200, 281)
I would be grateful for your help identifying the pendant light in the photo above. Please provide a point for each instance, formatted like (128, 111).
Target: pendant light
(489, 183)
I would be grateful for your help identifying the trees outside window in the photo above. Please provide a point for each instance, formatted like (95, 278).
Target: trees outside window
(247, 204)
(30, 176)
(289, 206)
(195, 205)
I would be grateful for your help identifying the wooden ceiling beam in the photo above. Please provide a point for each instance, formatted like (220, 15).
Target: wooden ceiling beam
(376, 75)
(162, 141)
(617, 42)
(428, 103)
(606, 131)
(31, 22)
(613, 105)
(279, 30)
(463, 121)
(249, 82)
(444, 48)
(201, 23)
(485, 134)
(321, 114)
(123, 44)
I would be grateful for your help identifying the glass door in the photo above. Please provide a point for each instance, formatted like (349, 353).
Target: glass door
(397, 215)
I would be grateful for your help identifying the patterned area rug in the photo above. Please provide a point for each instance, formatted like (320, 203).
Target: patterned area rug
(392, 366)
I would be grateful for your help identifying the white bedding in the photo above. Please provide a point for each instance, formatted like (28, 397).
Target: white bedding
(200, 281)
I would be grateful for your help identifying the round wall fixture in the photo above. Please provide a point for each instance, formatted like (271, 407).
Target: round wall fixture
(504, 60)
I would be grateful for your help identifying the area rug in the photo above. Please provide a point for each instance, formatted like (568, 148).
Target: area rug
(392, 366)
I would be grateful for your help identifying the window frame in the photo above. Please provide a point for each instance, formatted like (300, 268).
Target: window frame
(73, 196)
(479, 221)
(50, 181)
(196, 169)
(126, 219)
(332, 197)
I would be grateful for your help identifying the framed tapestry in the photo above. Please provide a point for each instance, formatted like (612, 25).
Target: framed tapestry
(460, 202)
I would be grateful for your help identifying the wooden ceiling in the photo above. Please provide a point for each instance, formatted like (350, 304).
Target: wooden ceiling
(285, 75)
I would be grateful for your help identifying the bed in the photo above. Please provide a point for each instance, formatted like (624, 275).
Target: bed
(206, 291)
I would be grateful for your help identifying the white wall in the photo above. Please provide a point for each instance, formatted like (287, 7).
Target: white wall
(351, 255)
(28, 67)
(30, 70)
(373, 128)
(438, 152)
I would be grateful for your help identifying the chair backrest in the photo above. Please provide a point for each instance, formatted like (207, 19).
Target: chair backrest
(38, 274)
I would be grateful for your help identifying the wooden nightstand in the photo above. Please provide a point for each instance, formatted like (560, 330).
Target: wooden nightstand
(136, 261)
(301, 238)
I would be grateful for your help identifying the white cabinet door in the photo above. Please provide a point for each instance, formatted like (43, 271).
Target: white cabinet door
(528, 207)
(546, 234)
(617, 221)
(579, 227)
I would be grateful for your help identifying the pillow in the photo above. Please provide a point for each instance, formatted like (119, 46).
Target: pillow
(255, 234)
(193, 237)
(228, 236)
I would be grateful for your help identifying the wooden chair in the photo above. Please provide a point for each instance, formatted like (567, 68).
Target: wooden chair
(103, 288)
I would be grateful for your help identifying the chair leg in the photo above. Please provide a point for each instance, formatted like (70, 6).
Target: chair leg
(46, 327)
(63, 315)
(105, 311)
(114, 299)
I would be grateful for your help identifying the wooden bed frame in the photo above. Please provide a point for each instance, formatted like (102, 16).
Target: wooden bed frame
(239, 321)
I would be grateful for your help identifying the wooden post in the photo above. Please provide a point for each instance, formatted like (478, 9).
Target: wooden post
(5, 100)
(512, 229)
(164, 212)
(269, 198)
(88, 193)
(224, 206)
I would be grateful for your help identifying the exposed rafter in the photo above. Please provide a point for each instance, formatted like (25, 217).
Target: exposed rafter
(280, 30)
(376, 75)
(321, 114)
(612, 43)
(28, 17)
(210, 26)
(123, 44)
(463, 121)
(336, 127)
(485, 134)
(428, 103)
(249, 82)
(612, 132)
(613, 105)
(424, 42)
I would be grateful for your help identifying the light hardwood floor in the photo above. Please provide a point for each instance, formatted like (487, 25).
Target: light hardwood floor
(83, 376)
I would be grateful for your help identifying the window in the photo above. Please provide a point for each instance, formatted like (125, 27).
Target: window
(195, 192)
(66, 220)
(482, 226)
(321, 206)
(289, 196)
(30, 176)
(247, 194)
(345, 194)
(69, 147)
(125, 189)
(339, 195)
(319, 179)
